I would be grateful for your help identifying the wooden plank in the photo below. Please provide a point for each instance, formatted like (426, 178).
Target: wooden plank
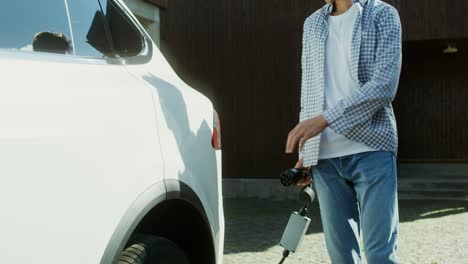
(438, 160)
(431, 196)
(159, 3)
(433, 19)
(435, 191)
(431, 103)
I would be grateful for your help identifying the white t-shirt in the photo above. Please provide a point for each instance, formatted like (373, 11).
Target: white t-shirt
(339, 82)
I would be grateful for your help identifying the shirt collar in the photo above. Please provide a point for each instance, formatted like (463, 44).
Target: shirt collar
(329, 7)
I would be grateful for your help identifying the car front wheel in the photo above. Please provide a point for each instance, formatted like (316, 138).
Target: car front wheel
(146, 249)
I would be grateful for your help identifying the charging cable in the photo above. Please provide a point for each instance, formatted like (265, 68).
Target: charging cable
(285, 255)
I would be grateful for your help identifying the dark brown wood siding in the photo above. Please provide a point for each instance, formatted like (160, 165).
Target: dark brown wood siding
(159, 3)
(432, 103)
(433, 19)
(245, 56)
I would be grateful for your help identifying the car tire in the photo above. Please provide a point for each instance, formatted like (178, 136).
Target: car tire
(146, 249)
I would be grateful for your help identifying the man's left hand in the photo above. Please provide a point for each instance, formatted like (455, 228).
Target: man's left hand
(303, 131)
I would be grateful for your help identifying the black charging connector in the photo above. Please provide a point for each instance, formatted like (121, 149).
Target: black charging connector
(285, 255)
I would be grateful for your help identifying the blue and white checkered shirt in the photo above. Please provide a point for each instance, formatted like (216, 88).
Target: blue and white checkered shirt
(366, 116)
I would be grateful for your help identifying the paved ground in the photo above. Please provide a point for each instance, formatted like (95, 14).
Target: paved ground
(432, 232)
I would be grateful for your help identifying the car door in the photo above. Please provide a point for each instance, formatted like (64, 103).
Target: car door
(78, 136)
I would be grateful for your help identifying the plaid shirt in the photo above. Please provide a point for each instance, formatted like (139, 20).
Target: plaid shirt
(366, 116)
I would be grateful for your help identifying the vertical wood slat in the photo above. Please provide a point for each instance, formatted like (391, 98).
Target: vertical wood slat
(432, 103)
(159, 3)
(245, 56)
(433, 19)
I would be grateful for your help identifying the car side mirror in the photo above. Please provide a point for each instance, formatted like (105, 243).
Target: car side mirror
(51, 42)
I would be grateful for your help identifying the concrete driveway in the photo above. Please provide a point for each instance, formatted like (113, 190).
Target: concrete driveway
(431, 232)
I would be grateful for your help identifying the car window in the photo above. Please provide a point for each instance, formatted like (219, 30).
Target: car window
(90, 35)
(126, 38)
(44, 23)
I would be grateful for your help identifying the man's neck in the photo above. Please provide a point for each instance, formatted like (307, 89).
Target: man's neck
(341, 6)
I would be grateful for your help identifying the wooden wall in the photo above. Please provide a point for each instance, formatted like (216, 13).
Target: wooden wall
(432, 103)
(433, 19)
(245, 56)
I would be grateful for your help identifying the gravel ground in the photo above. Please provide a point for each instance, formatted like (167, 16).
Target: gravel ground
(432, 232)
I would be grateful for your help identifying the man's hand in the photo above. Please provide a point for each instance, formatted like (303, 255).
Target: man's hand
(303, 131)
(304, 182)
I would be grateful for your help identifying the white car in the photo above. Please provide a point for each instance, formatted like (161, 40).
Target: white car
(106, 155)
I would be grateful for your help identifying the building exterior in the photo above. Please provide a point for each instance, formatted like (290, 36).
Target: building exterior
(148, 13)
(245, 55)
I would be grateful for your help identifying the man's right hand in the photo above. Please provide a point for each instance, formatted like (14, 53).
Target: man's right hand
(308, 180)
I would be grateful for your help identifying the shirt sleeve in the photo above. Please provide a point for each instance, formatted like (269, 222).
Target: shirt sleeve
(363, 103)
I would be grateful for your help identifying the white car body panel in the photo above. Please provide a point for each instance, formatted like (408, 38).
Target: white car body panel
(81, 140)
(185, 134)
(67, 152)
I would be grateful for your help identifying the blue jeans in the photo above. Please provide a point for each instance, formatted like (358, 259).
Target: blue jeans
(355, 191)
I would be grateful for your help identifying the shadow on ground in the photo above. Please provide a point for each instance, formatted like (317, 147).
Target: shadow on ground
(254, 225)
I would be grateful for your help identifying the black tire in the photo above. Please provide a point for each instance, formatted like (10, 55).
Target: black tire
(145, 249)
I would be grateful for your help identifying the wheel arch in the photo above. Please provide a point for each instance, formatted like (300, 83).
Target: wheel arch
(170, 209)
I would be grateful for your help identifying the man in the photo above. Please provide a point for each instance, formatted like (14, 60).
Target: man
(351, 65)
